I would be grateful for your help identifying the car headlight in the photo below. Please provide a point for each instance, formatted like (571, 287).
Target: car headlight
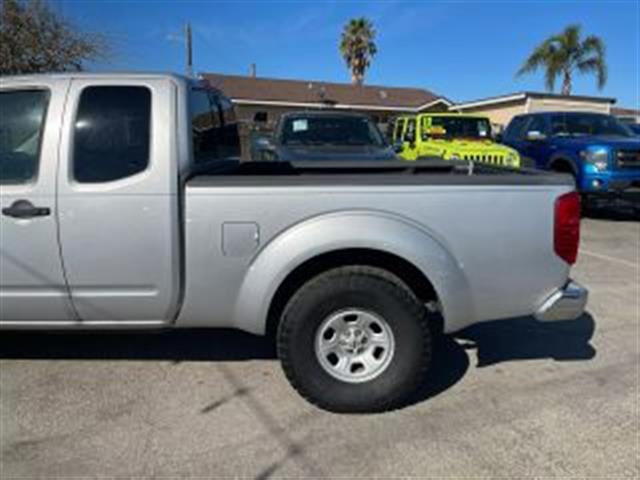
(598, 157)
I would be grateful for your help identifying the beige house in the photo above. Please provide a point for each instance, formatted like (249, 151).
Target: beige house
(502, 109)
(627, 115)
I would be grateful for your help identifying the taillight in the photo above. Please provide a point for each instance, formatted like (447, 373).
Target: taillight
(566, 234)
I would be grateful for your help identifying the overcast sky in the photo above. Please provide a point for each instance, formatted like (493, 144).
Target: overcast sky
(461, 49)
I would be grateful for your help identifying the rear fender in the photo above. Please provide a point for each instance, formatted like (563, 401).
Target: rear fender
(337, 231)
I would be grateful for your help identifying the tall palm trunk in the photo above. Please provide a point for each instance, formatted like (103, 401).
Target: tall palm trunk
(566, 83)
(357, 72)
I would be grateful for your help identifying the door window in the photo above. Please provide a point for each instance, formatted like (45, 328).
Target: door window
(515, 130)
(398, 130)
(537, 124)
(21, 125)
(111, 133)
(410, 131)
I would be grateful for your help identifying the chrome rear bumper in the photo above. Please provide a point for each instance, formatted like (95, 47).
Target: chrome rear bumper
(566, 303)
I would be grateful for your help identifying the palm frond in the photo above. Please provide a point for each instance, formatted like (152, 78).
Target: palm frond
(597, 66)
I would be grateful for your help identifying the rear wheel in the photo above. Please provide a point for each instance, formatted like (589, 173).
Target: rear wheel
(355, 339)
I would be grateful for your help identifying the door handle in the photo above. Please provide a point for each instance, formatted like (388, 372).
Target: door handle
(25, 209)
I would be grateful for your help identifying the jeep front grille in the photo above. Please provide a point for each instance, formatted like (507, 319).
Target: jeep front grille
(490, 159)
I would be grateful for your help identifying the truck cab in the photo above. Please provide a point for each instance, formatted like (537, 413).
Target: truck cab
(452, 136)
(601, 154)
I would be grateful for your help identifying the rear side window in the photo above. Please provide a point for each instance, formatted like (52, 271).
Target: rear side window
(112, 133)
(22, 115)
(230, 141)
(206, 126)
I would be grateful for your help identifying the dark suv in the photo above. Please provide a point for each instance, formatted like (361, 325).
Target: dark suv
(601, 153)
(324, 136)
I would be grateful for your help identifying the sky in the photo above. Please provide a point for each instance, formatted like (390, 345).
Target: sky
(464, 50)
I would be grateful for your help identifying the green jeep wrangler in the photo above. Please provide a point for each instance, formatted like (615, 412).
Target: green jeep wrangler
(451, 136)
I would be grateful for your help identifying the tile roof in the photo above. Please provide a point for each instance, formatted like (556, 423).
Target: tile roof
(624, 111)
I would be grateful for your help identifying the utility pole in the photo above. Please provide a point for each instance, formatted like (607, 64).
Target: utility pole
(189, 47)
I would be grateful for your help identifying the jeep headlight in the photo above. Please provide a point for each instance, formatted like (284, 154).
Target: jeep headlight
(455, 156)
(598, 157)
(513, 159)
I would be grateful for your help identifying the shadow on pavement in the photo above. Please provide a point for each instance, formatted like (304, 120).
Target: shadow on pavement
(172, 345)
(626, 209)
(526, 339)
(496, 341)
(503, 341)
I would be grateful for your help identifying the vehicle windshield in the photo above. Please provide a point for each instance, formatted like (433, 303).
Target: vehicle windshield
(587, 124)
(456, 127)
(634, 127)
(330, 130)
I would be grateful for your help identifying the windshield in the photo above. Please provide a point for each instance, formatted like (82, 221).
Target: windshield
(587, 124)
(330, 130)
(456, 127)
(634, 127)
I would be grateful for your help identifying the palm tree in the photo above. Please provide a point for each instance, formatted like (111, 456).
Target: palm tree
(564, 54)
(357, 47)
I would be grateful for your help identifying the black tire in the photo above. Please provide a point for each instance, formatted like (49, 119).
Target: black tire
(369, 289)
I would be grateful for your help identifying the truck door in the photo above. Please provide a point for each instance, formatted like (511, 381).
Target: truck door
(32, 283)
(118, 200)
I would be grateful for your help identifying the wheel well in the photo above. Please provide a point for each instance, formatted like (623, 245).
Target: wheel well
(562, 165)
(419, 284)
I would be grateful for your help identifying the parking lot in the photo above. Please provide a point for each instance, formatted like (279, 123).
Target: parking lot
(505, 399)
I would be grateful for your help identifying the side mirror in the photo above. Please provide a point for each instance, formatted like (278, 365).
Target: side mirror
(397, 146)
(535, 136)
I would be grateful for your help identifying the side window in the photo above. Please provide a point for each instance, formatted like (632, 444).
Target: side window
(558, 125)
(537, 124)
(398, 131)
(22, 115)
(230, 141)
(112, 133)
(515, 130)
(410, 131)
(205, 126)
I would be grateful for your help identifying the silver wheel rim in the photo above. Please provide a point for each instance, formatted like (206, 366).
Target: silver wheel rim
(354, 345)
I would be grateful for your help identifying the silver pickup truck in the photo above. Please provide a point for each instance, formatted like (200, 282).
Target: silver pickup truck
(123, 207)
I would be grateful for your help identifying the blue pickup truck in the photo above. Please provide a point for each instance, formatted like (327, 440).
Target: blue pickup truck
(601, 153)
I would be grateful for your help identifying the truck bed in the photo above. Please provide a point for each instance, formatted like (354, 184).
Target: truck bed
(471, 226)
